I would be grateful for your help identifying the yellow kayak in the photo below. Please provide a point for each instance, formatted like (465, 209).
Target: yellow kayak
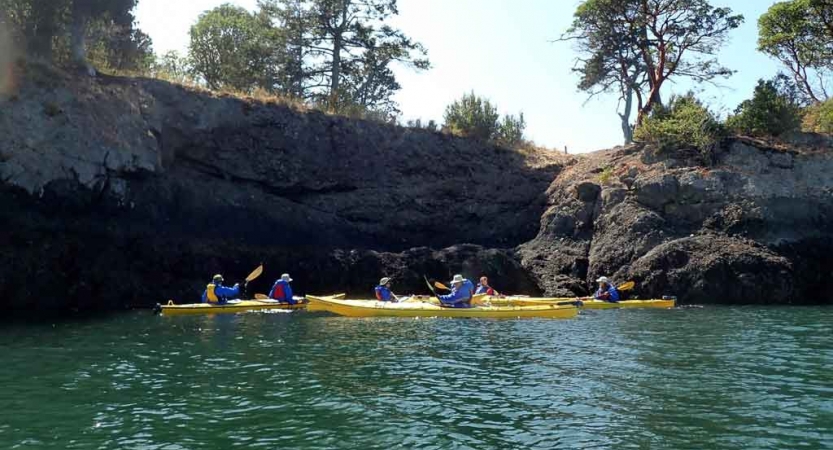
(586, 304)
(373, 308)
(234, 306)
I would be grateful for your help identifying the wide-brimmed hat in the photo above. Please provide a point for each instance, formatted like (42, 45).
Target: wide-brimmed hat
(457, 279)
(217, 277)
(285, 277)
(384, 281)
(603, 280)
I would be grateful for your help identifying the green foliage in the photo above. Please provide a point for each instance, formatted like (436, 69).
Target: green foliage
(606, 175)
(770, 112)
(472, 117)
(61, 30)
(632, 47)
(173, 67)
(510, 130)
(682, 125)
(233, 48)
(818, 118)
(799, 33)
(475, 117)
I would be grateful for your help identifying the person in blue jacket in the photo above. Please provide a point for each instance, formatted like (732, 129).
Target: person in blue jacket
(462, 290)
(282, 291)
(217, 294)
(383, 292)
(606, 291)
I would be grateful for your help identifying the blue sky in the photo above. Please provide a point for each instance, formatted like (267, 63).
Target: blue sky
(502, 49)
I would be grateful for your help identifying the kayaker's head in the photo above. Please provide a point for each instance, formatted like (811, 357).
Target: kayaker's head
(385, 282)
(285, 277)
(603, 282)
(484, 281)
(457, 281)
(218, 279)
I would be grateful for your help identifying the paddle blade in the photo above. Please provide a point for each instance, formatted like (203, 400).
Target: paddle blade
(430, 287)
(439, 285)
(261, 297)
(255, 273)
(626, 286)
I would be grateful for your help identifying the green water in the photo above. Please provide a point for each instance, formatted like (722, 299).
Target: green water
(713, 378)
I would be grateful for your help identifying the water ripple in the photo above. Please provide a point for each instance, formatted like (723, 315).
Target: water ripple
(682, 379)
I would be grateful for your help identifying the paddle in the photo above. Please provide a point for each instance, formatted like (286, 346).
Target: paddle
(262, 297)
(253, 276)
(439, 285)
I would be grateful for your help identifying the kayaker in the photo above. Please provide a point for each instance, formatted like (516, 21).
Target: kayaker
(217, 294)
(383, 292)
(484, 288)
(462, 291)
(606, 291)
(282, 291)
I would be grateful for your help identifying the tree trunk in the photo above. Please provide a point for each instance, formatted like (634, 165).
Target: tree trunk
(335, 80)
(625, 116)
(338, 44)
(78, 43)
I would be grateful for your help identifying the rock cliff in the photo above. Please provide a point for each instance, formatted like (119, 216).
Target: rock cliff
(129, 191)
(122, 192)
(754, 227)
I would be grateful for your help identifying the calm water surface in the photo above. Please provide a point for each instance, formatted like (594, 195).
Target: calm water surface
(716, 378)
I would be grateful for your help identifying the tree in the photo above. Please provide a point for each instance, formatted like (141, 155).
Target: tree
(352, 49)
(76, 25)
(609, 60)
(475, 117)
(622, 41)
(799, 34)
(771, 111)
(231, 47)
(295, 20)
(119, 12)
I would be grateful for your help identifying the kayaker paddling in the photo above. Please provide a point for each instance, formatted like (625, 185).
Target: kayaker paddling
(282, 291)
(462, 290)
(217, 294)
(383, 292)
(607, 292)
(484, 288)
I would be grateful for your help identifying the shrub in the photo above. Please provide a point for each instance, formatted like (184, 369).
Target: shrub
(473, 117)
(819, 118)
(477, 118)
(768, 113)
(683, 124)
(606, 175)
(510, 131)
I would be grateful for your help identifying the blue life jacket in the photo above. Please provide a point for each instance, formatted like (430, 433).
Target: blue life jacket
(383, 294)
(614, 294)
(459, 297)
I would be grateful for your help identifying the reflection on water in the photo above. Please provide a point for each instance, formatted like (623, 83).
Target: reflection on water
(678, 379)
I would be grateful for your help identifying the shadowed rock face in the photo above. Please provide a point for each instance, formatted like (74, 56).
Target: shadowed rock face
(128, 192)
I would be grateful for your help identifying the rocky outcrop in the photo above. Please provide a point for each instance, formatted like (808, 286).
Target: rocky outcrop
(123, 192)
(757, 226)
(127, 191)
